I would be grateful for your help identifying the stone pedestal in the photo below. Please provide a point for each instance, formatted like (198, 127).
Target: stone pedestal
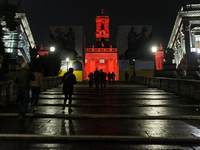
(169, 67)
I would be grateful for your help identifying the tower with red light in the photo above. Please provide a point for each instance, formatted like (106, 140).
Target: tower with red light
(103, 56)
(102, 30)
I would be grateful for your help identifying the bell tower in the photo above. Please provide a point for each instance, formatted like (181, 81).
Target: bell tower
(103, 56)
(102, 31)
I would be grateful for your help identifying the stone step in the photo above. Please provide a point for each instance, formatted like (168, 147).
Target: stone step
(104, 116)
(92, 138)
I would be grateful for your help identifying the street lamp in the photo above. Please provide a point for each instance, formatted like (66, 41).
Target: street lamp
(52, 49)
(154, 49)
(67, 60)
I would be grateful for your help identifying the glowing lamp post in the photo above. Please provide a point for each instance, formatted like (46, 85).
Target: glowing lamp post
(52, 49)
(67, 60)
(154, 49)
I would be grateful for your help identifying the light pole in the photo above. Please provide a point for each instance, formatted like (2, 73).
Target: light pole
(52, 49)
(154, 49)
(67, 60)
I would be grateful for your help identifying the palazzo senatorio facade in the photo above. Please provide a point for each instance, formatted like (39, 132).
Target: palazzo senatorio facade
(103, 56)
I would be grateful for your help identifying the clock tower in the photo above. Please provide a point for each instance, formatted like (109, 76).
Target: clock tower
(103, 56)
(102, 31)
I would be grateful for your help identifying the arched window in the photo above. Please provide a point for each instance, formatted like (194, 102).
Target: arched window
(195, 39)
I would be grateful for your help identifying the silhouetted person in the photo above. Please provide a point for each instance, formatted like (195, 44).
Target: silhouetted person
(109, 77)
(113, 77)
(23, 80)
(91, 78)
(69, 79)
(37, 86)
(96, 78)
(126, 76)
(102, 79)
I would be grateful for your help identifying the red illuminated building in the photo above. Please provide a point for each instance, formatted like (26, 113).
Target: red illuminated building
(159, 57)
(43, 51)
(103, 56)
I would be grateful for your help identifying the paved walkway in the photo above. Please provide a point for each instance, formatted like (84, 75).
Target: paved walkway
(124, 116)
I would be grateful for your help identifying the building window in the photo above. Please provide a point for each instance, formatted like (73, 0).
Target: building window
(19, 53)
(85, 60)
(9, 50)
(101, 60)
(197, 42)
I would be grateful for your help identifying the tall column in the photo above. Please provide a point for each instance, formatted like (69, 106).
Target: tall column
(186, 26)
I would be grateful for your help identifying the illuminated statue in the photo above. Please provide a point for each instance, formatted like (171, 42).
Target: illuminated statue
(143, 35)
(58, 38)
(169, 56)
(70, 38)
(132, 38)
(69, 44)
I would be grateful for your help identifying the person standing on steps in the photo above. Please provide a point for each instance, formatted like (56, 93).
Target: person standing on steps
(91, 78)
(126, 76)
(69, 79)
(37, 86)
(96, 78)
(113, 77)
(102, 79)
(23, 79)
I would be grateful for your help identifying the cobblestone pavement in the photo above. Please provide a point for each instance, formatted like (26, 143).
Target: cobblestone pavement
(124, 116)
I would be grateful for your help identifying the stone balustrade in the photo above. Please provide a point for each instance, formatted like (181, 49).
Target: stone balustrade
(8, 89)
(182, 87)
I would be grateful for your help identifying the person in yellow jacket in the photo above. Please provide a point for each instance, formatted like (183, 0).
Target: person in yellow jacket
(37, 86)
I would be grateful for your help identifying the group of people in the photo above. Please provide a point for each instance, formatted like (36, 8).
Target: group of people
(100, 77)
(27, 80)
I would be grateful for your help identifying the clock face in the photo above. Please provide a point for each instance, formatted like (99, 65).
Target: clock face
(102, 33)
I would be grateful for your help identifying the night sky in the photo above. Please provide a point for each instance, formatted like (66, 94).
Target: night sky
(161, 14)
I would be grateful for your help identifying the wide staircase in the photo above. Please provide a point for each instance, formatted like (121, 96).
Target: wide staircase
(123, 116)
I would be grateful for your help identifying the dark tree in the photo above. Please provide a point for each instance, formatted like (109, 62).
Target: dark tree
(33, 54)
(7, 12)
(51, 64)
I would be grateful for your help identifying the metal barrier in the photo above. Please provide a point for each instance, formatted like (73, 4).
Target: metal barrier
(8, 89)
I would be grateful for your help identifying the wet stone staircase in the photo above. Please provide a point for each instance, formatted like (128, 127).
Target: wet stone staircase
(124, 116)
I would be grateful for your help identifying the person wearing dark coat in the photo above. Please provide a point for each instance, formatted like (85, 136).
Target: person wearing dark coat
(109, 77)
(23, 79)
(96, 78)
(69, 79)
(91, 78)
(102, 79)
(126, 76)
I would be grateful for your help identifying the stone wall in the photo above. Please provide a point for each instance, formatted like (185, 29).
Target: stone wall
(182, 87)
(8, 89)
